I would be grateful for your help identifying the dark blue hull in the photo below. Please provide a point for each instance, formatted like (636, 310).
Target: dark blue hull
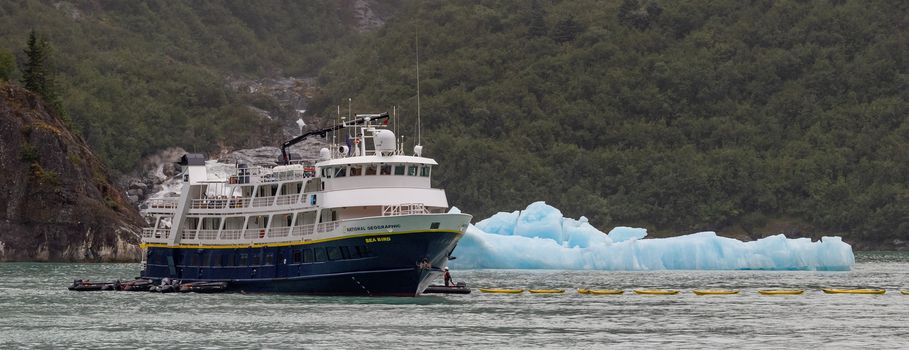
(362, 265)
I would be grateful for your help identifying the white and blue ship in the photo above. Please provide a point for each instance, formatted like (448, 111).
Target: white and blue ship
(362, 220)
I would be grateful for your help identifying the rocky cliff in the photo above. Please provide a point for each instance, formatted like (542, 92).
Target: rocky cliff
(57, 202)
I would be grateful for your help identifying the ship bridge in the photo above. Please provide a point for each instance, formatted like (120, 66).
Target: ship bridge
(352, 185)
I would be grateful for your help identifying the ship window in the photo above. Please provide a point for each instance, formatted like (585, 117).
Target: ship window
(385, 170)
(399, 169)
(217, 261)
(195, 260)
(345, 252)
(412, 170)
(320, 255)
(326, 172)
(362, 250)
(227, 259)
(353, 253)
(434, 226)
(269, 259)
(341, 172)
(355, 171)
(307, 256)
(243, 260)
(370, 169)
(424, 171)
(334, 253)
(297, 256)
(209, 258)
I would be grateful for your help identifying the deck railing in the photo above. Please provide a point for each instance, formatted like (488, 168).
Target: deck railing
(305, 230)
(278, 232)
(327, 226)
(404, 209)
(231, 234)
(162, 203)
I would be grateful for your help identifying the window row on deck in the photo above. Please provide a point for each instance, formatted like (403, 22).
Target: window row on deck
(231, 258)
(376, 169)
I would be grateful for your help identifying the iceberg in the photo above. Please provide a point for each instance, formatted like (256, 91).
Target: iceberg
(540, 237)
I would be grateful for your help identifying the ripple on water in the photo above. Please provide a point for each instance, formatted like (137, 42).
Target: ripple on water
(38, 311)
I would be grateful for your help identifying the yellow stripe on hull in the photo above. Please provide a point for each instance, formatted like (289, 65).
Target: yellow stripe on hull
(606, 291)
(583, 291)
(715, 292)
(655, 292)
(781, 292)
(285, 244)
(501, 290)
(546, 291)
(853, 291)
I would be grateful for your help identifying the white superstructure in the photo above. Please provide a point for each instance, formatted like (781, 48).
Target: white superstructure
(352, 190)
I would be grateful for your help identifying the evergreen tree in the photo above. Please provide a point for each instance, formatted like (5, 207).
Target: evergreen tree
(566, 30)
(35, 76)
(627, 10)
(7, 65)
(537, 26)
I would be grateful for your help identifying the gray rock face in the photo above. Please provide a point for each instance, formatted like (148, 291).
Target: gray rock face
(57, 202)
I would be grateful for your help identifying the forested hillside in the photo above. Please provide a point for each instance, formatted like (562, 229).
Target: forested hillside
(139, 76)
(677, 116)
(746, 117)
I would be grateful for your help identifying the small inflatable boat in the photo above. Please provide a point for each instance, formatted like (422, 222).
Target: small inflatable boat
(501, 290)
(781, 292)
(460, 288)
(905, 292)
(656, 291)
(583, 291)
(202, 287)
(714, 292)
(547, 291)
(139, 285)
(853, 291)
(88, 286)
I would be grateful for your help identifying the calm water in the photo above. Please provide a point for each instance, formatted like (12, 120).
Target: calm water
(36, 311)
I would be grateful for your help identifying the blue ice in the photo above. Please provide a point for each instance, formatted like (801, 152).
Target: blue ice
(539, 237)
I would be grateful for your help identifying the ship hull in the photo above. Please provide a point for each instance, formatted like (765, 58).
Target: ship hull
(393, 264)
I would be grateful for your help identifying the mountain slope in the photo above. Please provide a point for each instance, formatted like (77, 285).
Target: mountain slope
(740, 117)
(57, 202)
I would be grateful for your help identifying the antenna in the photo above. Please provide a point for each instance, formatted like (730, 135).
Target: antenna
(394, 119)
(419, 125)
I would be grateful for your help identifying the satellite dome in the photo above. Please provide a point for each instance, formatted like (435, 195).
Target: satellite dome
(385, 141)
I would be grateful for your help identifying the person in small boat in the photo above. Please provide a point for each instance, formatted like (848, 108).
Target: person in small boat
(447, 278)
